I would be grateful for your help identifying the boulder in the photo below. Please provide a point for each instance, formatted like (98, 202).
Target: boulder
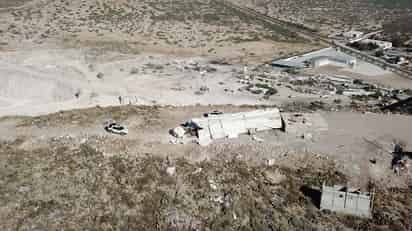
(273, 177)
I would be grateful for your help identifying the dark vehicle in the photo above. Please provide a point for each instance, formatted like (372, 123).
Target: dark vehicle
(215, 112)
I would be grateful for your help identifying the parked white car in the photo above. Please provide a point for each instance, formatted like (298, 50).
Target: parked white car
(116, 128)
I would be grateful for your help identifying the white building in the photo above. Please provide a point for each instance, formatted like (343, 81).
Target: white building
(382, 44)
(326, 56)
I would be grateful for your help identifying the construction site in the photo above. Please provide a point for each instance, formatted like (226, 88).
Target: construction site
(125, 115)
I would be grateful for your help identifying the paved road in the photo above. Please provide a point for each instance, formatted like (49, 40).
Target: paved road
(310, 35)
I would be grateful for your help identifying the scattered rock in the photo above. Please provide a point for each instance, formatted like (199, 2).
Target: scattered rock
(134, 70)
(91, 67)
(270, 162)
(273, 177)
(100, 75)
(212, 184)
(197, 171)
(171, 171)
(255, 138)
(77, 94)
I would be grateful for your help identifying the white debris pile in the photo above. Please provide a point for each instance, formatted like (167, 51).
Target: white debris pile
(178, 132)
(171, 170)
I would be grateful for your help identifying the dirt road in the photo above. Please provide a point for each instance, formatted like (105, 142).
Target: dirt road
(344, 141)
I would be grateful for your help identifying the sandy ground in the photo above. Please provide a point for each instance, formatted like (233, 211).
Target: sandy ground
(42, 81)
(45, 80)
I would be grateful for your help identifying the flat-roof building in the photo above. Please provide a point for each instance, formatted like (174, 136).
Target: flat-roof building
(326, 56)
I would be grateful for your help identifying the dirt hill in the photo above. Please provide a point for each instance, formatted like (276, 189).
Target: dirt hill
(180, 23)
(72, 189)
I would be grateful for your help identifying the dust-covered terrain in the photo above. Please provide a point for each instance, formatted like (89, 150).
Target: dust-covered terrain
(42, 81)
(60, 55)
(69, 70)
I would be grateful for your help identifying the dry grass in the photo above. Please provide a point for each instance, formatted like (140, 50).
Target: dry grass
(89, 116)
(62, 188)
(179, 23)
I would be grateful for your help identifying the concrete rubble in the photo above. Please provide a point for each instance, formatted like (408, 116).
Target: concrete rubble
(329, 85)
(403, 105)
(363, 96)
(257, 139)
(344, 91)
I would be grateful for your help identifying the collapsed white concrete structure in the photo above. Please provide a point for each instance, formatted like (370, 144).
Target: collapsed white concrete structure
(232, 125)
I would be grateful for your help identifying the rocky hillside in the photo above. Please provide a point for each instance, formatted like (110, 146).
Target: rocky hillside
(76, 188)
(181, 23)
(324, 15)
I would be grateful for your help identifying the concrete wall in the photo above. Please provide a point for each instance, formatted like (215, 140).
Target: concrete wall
(334, 199)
